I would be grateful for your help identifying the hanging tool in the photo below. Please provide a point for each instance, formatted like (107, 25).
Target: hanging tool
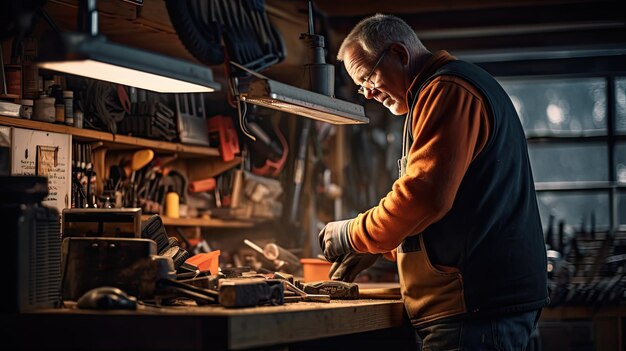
(139, 160)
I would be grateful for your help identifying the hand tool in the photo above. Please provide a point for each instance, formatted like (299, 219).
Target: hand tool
(200, 295)
(276, 257)
(304, 296)
(334, 288)
(249, 292)
(140, 159)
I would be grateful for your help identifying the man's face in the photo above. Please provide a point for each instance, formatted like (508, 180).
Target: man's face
(385, 82)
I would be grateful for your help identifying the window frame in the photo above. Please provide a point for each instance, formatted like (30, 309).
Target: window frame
(610, 68)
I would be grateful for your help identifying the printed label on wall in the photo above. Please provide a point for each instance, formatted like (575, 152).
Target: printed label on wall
(45, 154)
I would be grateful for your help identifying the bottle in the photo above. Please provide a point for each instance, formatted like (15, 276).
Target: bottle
(59, 113)
(68, 100)
(172, 204)
(78, 119)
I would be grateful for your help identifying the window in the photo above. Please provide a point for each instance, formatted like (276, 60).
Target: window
(576, 132)
(552, 107)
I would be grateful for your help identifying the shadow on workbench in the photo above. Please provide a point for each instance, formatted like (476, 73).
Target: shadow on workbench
(397, 339)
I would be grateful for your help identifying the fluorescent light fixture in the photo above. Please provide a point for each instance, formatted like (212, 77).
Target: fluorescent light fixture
(94, 57)
(317, 103)
(278, 96)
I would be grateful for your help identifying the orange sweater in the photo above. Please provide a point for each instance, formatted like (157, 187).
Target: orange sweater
(450, 127)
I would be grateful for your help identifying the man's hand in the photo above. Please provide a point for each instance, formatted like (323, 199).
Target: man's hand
(334, 239)
(347, 267)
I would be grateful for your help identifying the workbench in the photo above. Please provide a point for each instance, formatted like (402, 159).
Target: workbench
(608, 325)
(297, 325)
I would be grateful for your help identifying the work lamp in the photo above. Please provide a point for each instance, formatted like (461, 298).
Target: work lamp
(90, 55)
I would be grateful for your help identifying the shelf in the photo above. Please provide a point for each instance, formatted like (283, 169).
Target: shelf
(113, 141)
(10, 96)
(574, 138)
(201, 222)
(578, 186)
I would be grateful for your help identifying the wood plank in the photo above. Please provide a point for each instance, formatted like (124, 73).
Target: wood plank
(120, 9)
(125, 28)
(313, 321)
(113, 141)
(154, 14)
(217, 327)
(203, 222)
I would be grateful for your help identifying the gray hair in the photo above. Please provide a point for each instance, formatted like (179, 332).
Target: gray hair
(374, 34)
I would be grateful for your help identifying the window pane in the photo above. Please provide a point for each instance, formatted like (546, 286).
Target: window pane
(569, 162)
(560, 106)
(621, 207)
(574, 208)
(620, 104)
(620, 162)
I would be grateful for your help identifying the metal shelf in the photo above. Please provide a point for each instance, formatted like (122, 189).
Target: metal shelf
(578, 186)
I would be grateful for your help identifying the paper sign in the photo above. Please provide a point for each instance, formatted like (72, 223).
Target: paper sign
(45, 154)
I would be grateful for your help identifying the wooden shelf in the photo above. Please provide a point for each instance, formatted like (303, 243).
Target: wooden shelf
(113, 141)
(124, 142)
(201, 222)
(10, 96)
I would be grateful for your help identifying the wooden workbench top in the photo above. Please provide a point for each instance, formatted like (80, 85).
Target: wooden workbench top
(198, 327)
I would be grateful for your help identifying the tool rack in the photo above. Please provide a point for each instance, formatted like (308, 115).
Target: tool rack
(106, 146)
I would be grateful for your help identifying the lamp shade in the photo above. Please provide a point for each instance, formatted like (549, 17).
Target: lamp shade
(293, 100)
(95, 57)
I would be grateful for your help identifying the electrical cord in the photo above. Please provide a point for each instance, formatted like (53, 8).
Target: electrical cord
(242, 119)
(102, 100)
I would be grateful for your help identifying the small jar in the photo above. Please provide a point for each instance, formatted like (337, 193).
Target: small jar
(26, 110)
(68, 101)
(43, 109)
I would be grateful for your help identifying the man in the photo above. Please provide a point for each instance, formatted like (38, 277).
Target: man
(462, 219)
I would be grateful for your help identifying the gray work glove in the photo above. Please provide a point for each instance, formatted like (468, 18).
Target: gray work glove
(334, 240)
(348, 266)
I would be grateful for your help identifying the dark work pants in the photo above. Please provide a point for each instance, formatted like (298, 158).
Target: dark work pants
(503, 333)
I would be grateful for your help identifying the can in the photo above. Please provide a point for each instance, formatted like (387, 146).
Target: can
(68, 101)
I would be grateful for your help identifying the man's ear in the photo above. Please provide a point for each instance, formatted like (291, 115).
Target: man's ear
(402, 52)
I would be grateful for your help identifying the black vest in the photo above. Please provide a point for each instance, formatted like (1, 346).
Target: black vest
(493, 232)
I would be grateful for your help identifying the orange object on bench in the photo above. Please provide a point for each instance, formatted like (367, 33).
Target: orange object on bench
(206, 261)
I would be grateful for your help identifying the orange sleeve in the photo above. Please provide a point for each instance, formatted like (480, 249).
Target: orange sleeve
(450, 127)
(391, 255)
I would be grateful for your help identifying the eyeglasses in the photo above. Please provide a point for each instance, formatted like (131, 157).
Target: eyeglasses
(362, 88)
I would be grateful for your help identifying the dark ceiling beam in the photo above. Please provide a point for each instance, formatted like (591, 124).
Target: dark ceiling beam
(498, 19)
(356, 8)
(573, 40)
